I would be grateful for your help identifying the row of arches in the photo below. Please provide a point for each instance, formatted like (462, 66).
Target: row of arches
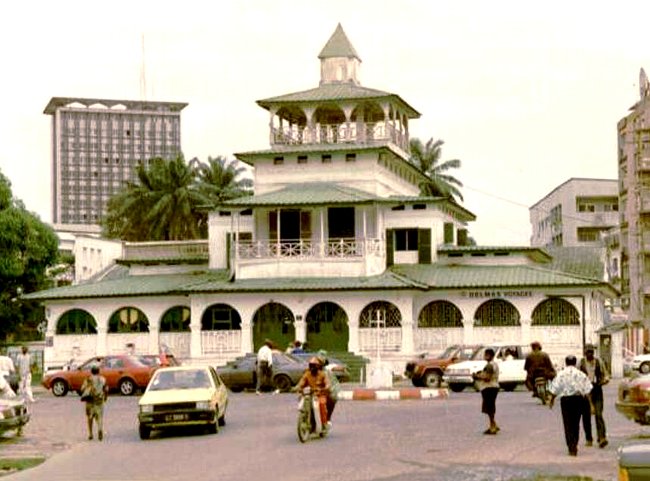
(325, 317)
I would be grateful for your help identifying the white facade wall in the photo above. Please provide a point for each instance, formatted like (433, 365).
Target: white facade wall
(94, 254)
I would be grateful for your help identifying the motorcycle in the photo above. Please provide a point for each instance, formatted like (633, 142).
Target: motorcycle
(540, 389)
(309, 421)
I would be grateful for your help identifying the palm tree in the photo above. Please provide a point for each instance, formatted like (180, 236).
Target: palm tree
(162, 205)
(219, 180)
(427, 158)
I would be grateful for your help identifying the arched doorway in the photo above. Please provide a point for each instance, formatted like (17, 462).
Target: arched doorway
(380, 327)
(273, 321)
(174, 333)
(220, 329)
(327, 327)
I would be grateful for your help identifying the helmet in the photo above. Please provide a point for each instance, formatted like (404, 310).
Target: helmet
(314, 361)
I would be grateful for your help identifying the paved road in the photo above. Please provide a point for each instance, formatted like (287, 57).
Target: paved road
(371, 440)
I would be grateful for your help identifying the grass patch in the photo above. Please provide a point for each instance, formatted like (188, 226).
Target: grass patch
(12, 465)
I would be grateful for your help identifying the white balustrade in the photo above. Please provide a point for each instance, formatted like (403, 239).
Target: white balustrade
(387, 339)
(177, 342)
(116, 342)
(335, 248)
(217, 342)
(437, 338)
(337, 133)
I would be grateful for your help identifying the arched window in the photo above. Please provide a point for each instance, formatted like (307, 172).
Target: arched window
(176, 319)
(380, 314)
(76, 321)
(555, 312)
(496, 312)
(128, 319)
(220, 317)
(440, 314)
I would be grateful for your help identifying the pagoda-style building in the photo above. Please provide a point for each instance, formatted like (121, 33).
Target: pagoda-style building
(336, 248)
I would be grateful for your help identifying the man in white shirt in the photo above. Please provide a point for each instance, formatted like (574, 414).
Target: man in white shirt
(264, 368)
(24, 362)
(6, 365)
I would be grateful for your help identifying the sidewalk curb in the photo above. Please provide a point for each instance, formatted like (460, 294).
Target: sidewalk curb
(364, 394)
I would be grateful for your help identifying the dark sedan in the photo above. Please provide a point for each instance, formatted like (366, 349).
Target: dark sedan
(240, 374)
(338, 368)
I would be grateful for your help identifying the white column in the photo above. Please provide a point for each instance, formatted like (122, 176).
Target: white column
(322, 232)
(468, 331)
(196, 312)
(102, 339)
(301, 330)
(154, 339)
(407, 336)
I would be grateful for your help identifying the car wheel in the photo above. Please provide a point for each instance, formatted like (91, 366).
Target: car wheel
(455, 387)
(432, 379)
(645, 368)
(213, 427)
(144, 431)
(127, 387)
(416, 382)
(282, 382)
(59, 388)
(236, 388)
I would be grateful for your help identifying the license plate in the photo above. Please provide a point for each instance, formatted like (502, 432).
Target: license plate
(176, 417)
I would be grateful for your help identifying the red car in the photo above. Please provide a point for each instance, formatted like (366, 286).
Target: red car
(124, 373)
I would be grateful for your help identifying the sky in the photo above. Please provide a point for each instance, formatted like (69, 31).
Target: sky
(525, 94)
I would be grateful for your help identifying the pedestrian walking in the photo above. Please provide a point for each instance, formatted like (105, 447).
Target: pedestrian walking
(597, 373)
(25, 366)
(94, 393)
(488, 384)
(264, 368)
(572, 387)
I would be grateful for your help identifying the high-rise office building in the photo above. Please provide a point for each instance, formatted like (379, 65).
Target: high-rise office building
(97, 145)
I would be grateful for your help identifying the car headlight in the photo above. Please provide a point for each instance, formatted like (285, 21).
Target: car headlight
(203, 405)
(146, 408)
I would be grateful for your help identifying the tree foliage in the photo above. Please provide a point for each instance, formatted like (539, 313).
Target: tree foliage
(170, 199)
(427, 158)
(27, 248)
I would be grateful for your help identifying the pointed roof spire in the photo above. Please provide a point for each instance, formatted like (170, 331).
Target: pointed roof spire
(338, 46)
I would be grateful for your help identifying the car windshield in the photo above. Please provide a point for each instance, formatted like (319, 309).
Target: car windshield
(447, 353)
(186, 379)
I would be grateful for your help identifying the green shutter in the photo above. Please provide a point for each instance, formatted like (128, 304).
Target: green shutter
(449, 233)
(228, 244)
(390, 248)
(462, 237)
(424, 246)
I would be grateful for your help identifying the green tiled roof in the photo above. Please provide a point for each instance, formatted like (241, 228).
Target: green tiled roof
(438, 276)
(142, 285)
(583, 261)
(338, 91)
(338, 46)
(420, 277)
(217, 281)
(315, 193)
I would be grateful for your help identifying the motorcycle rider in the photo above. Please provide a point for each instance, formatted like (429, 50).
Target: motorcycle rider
(335, 387)
(537, 364)
(317, 380)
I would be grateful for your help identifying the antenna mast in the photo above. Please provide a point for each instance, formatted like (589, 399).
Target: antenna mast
(143, 80)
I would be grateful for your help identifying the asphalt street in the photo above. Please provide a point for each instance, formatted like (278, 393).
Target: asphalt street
(371, 440)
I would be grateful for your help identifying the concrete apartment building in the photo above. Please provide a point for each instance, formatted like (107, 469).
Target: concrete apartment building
(576, 213)
(96, 146)
(634, 181)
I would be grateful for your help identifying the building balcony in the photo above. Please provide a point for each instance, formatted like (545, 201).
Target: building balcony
(329, 258)
(354, 132)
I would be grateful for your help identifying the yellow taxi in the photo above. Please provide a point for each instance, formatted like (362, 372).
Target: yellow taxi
(183, 396)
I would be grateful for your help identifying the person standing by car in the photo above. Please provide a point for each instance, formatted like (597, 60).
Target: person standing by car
(7, 367)
(94, 393)
(596, 371)
(537, 364)
(572, 386)
(264, 369)
(488, 384)
(24, 362)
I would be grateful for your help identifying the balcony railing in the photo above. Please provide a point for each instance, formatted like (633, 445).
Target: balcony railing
(364, 133)
(166, 250)
(302, 249)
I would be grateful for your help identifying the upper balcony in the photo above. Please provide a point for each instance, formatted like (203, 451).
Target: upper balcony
(305, 258)
(355, 132)
(196, 251)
